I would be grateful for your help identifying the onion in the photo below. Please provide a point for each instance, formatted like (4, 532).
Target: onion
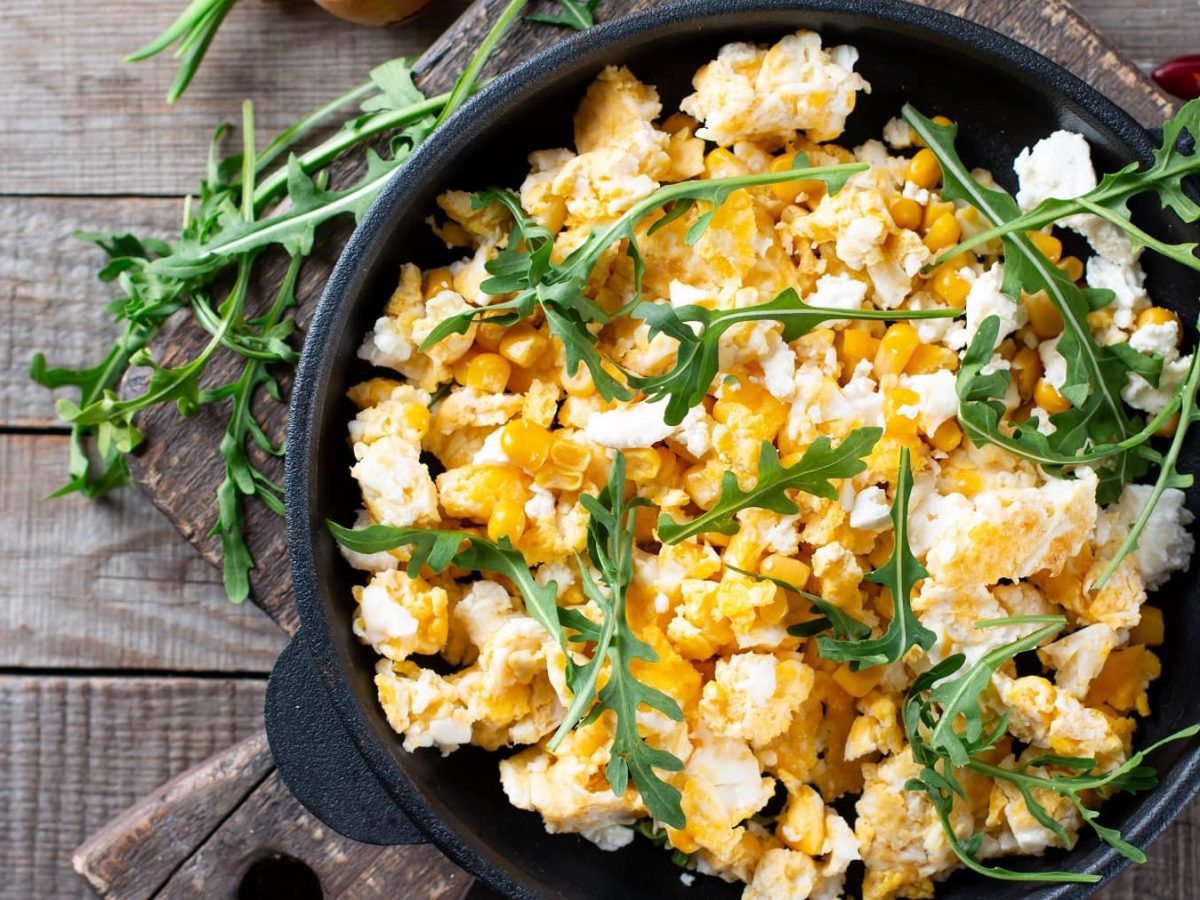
(374, 12)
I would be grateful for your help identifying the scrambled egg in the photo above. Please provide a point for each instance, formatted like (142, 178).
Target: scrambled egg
(487, 431)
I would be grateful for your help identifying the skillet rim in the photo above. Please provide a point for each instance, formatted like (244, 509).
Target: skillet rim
(492, 104)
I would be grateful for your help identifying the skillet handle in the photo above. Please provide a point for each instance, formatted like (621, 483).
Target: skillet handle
(317, 758)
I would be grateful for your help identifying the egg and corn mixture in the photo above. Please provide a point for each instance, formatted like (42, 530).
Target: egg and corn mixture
(489, 433)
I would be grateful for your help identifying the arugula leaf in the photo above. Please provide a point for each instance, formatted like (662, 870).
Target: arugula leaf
(577, 14)
(194, 30)
(440, 549)
(831, 616)
(697, 358)
(813, 474)
(657, 835)
(610, 547)
(899, 574)
(559, 289)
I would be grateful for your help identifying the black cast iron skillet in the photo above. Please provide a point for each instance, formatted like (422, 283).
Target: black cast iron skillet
(333, 745)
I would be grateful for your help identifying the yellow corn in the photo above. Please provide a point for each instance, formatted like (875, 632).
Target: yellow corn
(1168, 428)
(853, 346)
(896, 349)
(436, 281)
(720, 163)
(1157, 315)
(930, 358)
(1044, 317)
(1073, 266)
(486, 372)
(946, 437)
(525, 443)
(1048, 245)
(785, 568)
(894, 401)
(1007, 349)
(906, 212)
(802, 825)
(1149, 630)
(951, 286)
(1048, 398)
(857, 684)
(580, 384)
(701, 485)
(488, 337)
(943, 233)
(507, 520)
(923, 170)
(523, 345)
(934, 210)
(557, 478)
(789, 191)
(965, 481)
(678, 122)
(1027, 371)
(568, 454)
(415, 418)
(642, 465)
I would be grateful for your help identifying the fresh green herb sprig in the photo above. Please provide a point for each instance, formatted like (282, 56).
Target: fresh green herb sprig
(1095, 375)
(940, 700)
(899, 575)
(226, 226)
(657, 835)
(830, 616)
(579, 15)
(699, 330)
(525, 268)
(813, 473)
(610, 548)
(194, 30)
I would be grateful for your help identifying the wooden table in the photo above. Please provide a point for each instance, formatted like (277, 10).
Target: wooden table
(121, 663)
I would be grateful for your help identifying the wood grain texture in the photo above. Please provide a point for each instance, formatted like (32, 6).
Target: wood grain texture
(1146, 31)
(78, 120)
(109, 585)
(75, 752)
(139, 851)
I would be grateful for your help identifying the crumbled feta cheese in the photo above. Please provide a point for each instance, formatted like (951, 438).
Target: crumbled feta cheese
(491, 453)
(939, 398)
(985, 299)
(1154, 338)
(779, 371)
(687, 878)
(1054, 364)
(541, 505)
(840, 291)
(1140, 394)
(695, 432)
(1166, 545)
(1126, 281)
(897, 133)
(871, 511)
(383, 617)
(629, 427)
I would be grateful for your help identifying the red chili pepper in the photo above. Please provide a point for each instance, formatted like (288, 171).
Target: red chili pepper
(1180, 76)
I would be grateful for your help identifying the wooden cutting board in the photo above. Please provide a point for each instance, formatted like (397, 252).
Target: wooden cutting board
(229, 827)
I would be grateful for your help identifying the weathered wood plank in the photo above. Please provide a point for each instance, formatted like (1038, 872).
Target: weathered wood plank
(109, 584)
(1147, 31)
(79, 121)
(1172, 869)
(137, 852)
(75, 752)
(50, 299)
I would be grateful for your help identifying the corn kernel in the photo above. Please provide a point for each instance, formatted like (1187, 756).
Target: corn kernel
(1158, 315)
(934, 210)
(1047, 244)
(436, 281)
(678, 122)
(785, 568)
(951, 286)
(1073, 266)
(900, 407)
(416, 418)
(1168, 428)
(789, 191)
(931, 358)
(1007, 349)
(802, 825)
(896, 349)
(555, 478)
(946, 437)
(486, 372)
(1048, 398)
(1149, 630)
(858, 684)
(1044, 317)
(569, 454)
(1027, 371)
(906, 212)
(923, 170)
(579, 384)
(507, 520)
(701, 486)
(853, 346)
(488, 336)
(525, 443)
(943, 233)
(720, 163)
(642, 464)
(965, 481)
(523, 345)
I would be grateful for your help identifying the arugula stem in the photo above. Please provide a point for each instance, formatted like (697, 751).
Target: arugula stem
(466, 82)
(315, 119)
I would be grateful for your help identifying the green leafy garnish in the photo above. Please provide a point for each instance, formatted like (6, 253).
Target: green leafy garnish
(526, 270)
(577, 14)
(657, 835)
(899, 574)
(440, 549)
(830, 615)
(698, 356)
(813, 473)
(194, 30)
(938, 703)
(610, 548)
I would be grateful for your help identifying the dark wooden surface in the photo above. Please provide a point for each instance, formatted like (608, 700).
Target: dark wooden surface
(105, 604)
